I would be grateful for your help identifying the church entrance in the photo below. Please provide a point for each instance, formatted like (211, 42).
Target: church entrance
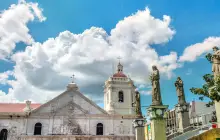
(37, 129)
(99, 129)
(3, 134)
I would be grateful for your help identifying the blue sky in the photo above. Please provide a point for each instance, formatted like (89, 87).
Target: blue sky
(193, 22)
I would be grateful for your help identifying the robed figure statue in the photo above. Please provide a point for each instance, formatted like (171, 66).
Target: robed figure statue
(180, 91)
(216, 61)
(155, 81)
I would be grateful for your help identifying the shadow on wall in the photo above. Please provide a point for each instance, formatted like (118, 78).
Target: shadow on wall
(213, 134)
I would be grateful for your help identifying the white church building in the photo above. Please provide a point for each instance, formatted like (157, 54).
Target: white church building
(71, 115)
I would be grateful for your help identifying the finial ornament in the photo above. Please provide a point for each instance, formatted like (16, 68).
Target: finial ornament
(72, 78)
(119, 58)
(72, 85)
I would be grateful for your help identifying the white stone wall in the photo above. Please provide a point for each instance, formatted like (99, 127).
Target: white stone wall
(122, 127)
(202, 113)
(14, 126)
(200, 108)
(31, 124)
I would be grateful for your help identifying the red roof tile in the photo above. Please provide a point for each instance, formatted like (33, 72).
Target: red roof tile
(16, 107)
(119, 74)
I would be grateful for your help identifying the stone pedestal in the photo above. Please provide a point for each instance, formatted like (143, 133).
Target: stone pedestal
(217, 108)
(183, 121)
(158, 121)
(139, 128)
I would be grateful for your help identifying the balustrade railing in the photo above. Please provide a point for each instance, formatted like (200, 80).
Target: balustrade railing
(195, 130)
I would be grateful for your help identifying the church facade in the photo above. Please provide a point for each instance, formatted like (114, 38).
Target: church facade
(72, 115)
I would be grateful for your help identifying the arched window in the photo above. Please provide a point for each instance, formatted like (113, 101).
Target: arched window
(99, 129)
(37, 129)
(120, 96)
(3, 134)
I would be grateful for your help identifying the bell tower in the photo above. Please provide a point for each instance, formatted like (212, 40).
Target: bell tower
(119, 93)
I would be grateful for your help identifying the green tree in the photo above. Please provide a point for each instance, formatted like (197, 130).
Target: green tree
(211, 88)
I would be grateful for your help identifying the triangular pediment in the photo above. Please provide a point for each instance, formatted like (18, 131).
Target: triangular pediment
(69, 101)
(70, 109)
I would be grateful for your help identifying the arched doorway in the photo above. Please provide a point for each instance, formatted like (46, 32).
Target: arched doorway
(37, 129)
(3, 134)
(99, 129)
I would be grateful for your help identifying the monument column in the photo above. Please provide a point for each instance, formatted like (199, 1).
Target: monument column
(139, 120)
(182, 108)
(216, 71)
(157, 110)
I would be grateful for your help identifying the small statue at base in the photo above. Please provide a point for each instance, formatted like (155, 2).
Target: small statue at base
(137, 105)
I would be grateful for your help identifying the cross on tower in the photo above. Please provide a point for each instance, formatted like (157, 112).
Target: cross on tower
(72, 77)
(119, 58)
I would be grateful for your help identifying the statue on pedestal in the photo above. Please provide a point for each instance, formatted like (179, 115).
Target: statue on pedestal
(137, 105)
(155, 81)
(180, 91)
(157, 109)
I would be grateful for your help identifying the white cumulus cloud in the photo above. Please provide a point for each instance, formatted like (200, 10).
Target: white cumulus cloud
(191, 53)
(13, 26)
(4, 77)
(44, 68)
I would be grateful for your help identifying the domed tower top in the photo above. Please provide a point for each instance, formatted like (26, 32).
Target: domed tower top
(119, 72)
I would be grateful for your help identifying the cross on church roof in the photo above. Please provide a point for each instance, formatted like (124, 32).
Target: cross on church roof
(72, 77)
(119, 58)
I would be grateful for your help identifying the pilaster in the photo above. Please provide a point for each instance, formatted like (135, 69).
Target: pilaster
(217, 108)
(24, 130)
(182, 116)
(51, 121)
(158, 121)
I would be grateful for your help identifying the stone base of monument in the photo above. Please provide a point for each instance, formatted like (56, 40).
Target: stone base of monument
(217, 108)
(158, 121)
(139, 128)
(183, 117)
